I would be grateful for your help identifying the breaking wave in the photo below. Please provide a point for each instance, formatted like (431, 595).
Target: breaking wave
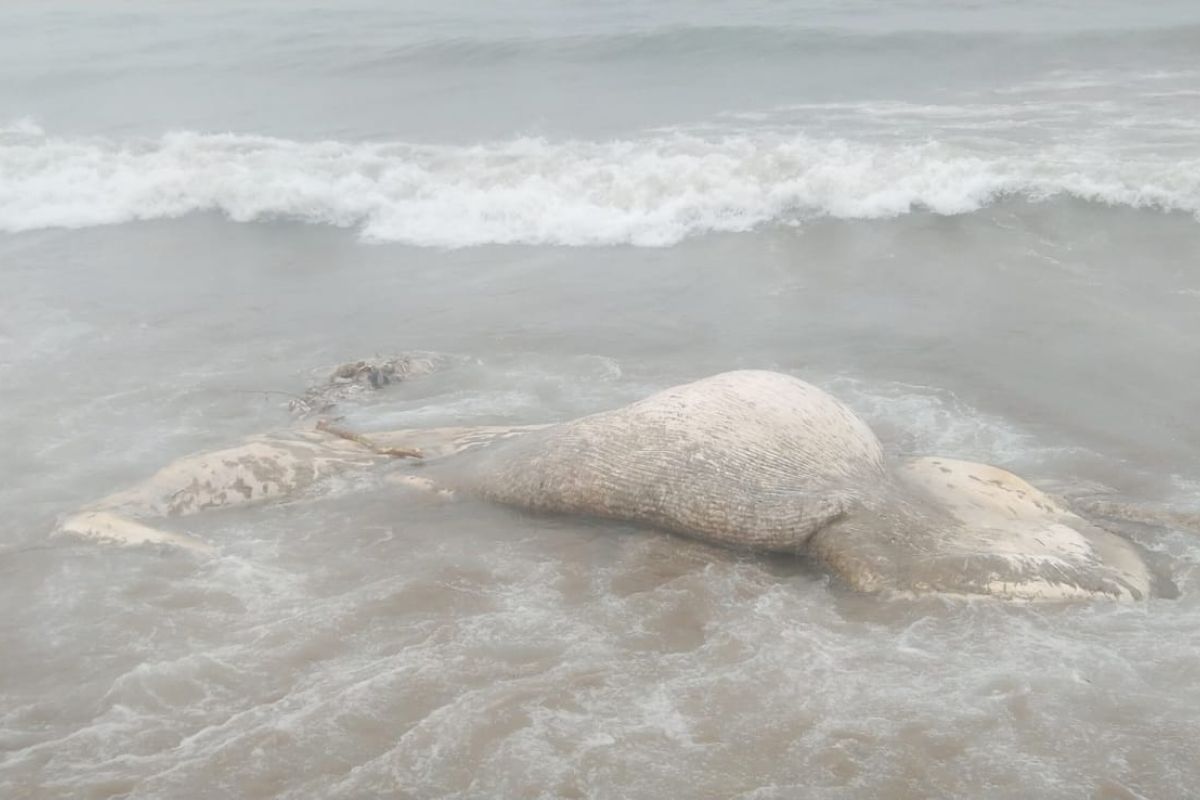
(650, 191)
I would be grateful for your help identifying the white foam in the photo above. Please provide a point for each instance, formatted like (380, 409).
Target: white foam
(648, 191)
(925, 420)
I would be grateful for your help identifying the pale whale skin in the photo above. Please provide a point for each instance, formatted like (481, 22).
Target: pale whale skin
(750, 459)
(764, 461)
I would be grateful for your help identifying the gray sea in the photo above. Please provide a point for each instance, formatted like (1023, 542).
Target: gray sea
(978, 223)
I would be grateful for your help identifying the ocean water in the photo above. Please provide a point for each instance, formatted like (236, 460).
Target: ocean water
(976, 222)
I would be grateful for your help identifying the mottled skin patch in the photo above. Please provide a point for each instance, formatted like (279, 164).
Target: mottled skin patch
(262, 468)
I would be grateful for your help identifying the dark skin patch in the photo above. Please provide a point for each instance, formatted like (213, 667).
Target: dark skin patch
(246, 489)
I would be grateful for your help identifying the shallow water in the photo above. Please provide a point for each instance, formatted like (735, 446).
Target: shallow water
(976, 225)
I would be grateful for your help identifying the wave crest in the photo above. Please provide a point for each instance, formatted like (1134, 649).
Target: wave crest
(651, 191)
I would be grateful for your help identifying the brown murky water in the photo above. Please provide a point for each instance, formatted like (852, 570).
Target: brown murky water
(363, 643)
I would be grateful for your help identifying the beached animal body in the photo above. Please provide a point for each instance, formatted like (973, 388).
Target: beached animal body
(751, 459)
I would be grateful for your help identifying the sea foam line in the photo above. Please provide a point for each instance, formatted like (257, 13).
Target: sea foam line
(650, 191)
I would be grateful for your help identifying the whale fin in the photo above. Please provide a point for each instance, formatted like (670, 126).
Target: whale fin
(262, 469)
(110, 528)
